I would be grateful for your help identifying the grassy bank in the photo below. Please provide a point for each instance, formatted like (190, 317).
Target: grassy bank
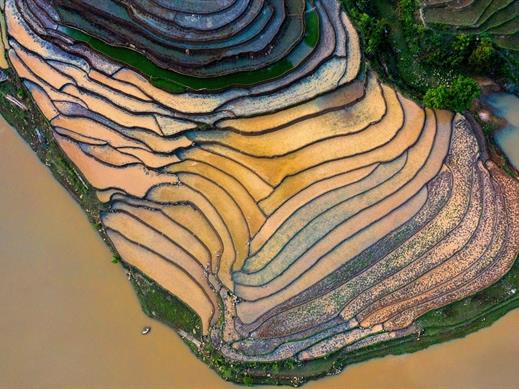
(450, 322)
(36, 131)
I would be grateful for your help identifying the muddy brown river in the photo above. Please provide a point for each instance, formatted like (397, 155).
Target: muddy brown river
(69, 318)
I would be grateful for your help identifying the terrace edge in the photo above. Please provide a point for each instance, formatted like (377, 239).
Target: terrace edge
(485, 306)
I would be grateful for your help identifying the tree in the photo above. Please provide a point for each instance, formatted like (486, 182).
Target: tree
(460, 49)
(484, 57)
(373, 30)
(463, 92)
(364, 5)
(457, 97)
(437, 97)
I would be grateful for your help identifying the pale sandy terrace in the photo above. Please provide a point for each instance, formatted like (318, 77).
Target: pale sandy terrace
(305, 257)
(86, 352)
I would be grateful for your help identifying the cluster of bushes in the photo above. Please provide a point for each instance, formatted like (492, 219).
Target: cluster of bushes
(456, 97)
(374, 31)
(429, 64)
(454, 53)
(465, 53)
(373, 28)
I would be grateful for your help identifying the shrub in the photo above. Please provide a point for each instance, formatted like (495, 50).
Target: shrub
(484, 57)
(374, 30)
(20, 93)
(457, 97)
(460, 49)
(226, 373)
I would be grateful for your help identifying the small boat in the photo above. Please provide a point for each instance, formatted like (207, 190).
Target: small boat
(146, 330)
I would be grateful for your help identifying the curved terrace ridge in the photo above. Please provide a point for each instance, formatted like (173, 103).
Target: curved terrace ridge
(250, 165)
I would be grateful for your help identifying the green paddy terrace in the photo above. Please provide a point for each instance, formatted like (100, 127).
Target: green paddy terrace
(498, 18)
(176, 82)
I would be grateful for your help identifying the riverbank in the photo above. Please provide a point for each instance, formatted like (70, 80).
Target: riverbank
(69, 316)
(492, 123)
(36, 131)
(453, 321)
(80, 323)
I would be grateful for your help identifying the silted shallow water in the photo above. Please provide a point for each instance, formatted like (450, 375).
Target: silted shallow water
(70, 319)
(507, 106)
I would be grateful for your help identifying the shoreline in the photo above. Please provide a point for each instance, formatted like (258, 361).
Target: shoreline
(290, 372)
(483, 114)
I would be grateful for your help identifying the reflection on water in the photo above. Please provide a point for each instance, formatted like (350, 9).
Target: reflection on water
(507, 107)
(69, 317)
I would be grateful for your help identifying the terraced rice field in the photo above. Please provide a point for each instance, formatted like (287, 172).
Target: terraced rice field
(500, 18)
(314, 210)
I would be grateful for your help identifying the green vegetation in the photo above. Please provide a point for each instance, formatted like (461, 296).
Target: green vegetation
(484, 57)
(156, 302)
(174, 82)
(457, 97)
(438, 89)
(497, 18)
(374, 30)
(487, 128)
(417, 58)
(311, 25)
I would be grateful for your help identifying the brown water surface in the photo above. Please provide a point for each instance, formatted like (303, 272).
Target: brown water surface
(69, 318)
